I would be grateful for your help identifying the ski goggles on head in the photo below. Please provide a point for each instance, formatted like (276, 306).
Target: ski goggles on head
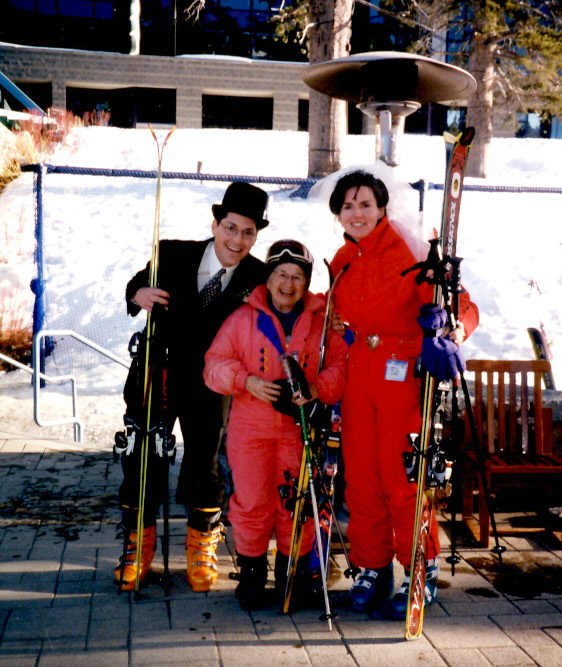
(289, 251)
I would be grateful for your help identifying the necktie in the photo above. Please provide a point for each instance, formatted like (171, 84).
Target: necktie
(211, 289)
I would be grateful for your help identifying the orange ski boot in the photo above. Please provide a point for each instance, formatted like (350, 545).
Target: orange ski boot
(201, 547)
(126, 572)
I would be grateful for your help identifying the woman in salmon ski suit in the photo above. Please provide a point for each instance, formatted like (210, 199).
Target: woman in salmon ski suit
(381, 403)
(263, 443)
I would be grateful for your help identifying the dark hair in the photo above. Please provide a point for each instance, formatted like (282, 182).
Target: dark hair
(356, 179)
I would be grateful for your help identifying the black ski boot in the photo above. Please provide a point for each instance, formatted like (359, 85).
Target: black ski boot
(308, 583)
(253, 578)
(307, 588)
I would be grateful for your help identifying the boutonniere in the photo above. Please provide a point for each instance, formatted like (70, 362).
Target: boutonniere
(245, 295)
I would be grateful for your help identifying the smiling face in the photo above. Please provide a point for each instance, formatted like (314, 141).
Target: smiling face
(287, 285)
(234, 236)
(360, 213)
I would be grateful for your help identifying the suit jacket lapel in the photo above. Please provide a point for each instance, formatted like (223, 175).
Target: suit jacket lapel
(193, 270)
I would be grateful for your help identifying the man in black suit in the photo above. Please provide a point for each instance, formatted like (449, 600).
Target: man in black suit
(200, 283)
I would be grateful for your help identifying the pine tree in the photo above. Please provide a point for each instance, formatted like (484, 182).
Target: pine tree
(323, 28)
(328, 38)
(513, 48)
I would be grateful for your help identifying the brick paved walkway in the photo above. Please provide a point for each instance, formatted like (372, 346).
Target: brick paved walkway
(59, 606)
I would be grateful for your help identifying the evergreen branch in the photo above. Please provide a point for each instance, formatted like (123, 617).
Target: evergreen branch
(398, 16)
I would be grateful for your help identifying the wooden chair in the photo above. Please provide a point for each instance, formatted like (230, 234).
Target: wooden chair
(515, 433)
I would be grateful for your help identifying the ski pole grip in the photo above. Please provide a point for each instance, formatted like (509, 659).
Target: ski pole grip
(296, 376)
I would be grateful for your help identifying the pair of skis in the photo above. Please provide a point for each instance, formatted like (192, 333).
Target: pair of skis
(153, 433)
(318, 470)
(306, 485)
(434, 394)
(443, 270)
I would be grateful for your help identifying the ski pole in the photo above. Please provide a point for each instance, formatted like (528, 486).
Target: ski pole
(304, 480)
(351, 570)
(126, 536)
(165, 454)
(452, 289)
(296, 535)
(306, 445)
(497, 549)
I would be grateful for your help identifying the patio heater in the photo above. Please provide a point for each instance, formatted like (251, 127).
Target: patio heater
(389, 86)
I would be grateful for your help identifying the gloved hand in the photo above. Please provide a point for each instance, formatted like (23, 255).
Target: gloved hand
(284, 403)
(440, 357)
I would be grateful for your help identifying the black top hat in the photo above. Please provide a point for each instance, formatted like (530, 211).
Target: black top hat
(244, 199)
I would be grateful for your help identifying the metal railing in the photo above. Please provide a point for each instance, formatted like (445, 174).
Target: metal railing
(39, 376)
(45, 378)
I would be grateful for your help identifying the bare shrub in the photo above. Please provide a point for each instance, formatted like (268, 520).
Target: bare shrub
(9, 172)
(38, 136)
(32, 142)
(16, 344)
(15, 331)
(46, 132)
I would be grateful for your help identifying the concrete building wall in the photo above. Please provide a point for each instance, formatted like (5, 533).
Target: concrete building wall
(189, 76)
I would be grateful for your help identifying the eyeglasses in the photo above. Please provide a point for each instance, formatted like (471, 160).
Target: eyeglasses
(298, 279)
(232, 230)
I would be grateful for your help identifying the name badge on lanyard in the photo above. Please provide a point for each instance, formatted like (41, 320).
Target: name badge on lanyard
(396, 370)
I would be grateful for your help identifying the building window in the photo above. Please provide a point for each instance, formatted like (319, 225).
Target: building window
(40, 93)
(79, 8)
(531, 126)
(354, 119)
(237, 28)
(303, 115)
(238, 113)
(24, 4)
(155, 105)
(47, 6)
(430, 119)
(127, 106)
(90, 25)
(556, 128)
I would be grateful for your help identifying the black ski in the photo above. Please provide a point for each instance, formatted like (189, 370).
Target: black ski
(542, 352)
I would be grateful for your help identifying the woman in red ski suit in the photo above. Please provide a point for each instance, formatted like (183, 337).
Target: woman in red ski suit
(381, 403)
(262, 442)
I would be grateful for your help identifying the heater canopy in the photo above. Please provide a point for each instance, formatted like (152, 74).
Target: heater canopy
(390, 76)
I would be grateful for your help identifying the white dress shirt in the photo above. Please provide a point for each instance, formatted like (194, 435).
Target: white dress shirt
(209, 266)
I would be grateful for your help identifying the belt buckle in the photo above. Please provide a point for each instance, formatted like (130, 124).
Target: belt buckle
(373, 341)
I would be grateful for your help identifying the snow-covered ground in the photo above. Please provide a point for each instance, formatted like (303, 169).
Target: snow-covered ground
(98, 232)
